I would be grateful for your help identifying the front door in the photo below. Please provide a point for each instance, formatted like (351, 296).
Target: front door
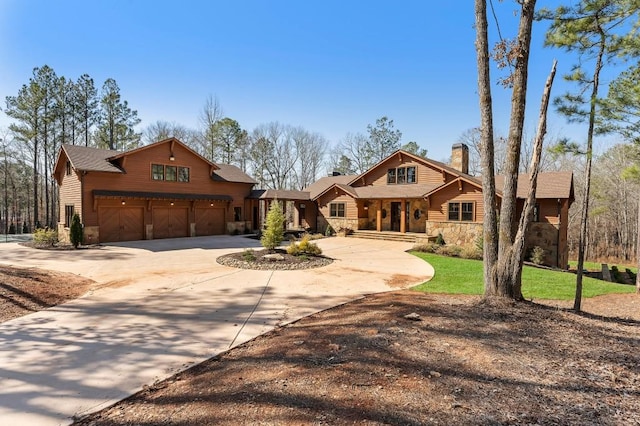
(396, 212)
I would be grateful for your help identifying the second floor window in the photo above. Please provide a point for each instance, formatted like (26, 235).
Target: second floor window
(400, 175)
(169, 173)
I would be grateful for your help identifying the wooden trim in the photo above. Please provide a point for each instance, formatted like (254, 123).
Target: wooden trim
(149, 203)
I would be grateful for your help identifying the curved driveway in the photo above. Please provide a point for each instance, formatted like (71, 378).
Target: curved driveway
(162, 306)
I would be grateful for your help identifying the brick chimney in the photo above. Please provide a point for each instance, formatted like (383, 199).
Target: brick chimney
(460, 157)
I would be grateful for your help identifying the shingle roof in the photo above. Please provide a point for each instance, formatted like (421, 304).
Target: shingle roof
(550, 185)
(90, 159)
(229, 173)
(281, 194)
(324, 183)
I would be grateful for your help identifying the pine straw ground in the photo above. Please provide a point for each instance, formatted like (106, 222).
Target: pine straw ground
(463, 362)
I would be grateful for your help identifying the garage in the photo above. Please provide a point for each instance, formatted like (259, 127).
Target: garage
(210, 221)
(121, 224)
(172, 222)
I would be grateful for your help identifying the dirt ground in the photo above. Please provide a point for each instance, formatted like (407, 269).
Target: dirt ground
(461, 362)
(23, 291)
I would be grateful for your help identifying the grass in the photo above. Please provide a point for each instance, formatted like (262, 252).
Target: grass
(464, 276)
(597, 266)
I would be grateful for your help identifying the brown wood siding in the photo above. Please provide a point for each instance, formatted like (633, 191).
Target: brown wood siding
(439, 202)
(425, 174)
(351, 209)
(70, 193)
(120, 182)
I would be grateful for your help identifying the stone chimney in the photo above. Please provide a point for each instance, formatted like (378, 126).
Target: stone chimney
(460, 157)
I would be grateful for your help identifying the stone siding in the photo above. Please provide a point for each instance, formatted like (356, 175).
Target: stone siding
(456, 233)
(544, 235)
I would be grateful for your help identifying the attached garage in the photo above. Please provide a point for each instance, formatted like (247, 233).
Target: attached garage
(121, 223)
(210, 221)
(172, 222)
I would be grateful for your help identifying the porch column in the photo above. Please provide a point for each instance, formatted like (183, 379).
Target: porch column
(379, 217)
(403, 216)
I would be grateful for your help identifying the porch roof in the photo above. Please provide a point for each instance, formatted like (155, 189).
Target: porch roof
(394, 191)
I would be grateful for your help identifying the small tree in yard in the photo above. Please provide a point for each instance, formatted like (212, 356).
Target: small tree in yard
(75, 230)
(274, 232)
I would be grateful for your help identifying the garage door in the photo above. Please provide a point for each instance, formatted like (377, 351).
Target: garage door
(210, 221)
(121, 224)
(170, 222)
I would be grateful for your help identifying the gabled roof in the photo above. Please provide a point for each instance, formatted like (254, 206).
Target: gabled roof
(322, 184)
(462, 178)
(427, 161)
(171, 141)
(550, 185)
(87, 159)
(230, 173)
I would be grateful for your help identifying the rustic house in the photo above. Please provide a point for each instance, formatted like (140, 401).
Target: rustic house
(162, 190)
(409, 194)
(166, 190)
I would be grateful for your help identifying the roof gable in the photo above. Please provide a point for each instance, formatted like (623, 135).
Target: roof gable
(324, 183)
(87, 159)
(171, 142)
(416, 158)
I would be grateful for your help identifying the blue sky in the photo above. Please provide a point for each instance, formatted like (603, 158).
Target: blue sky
(331, 66)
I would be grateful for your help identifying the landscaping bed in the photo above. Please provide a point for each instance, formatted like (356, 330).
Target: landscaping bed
(272, 260)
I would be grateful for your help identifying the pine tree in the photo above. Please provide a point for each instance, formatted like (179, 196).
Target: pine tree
(75, 231)
(274, 233)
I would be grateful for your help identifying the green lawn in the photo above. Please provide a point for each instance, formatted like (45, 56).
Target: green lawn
(463, 276)
(595, 266)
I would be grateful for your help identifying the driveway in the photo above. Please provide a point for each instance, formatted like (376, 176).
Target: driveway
(162, 306)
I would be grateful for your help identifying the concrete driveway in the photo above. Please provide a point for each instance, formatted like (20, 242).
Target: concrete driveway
(161, 307)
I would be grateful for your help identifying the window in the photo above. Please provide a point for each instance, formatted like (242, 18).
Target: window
(454, 211)
(157, 172)
(391, 176)
(467, 212)
(536, 213)
(68, 168)
(171, 173)
(237, 214)
(183, 174)
(401, 175)
(461, 212)
(336, 209)
(411, 175)
(68, 215)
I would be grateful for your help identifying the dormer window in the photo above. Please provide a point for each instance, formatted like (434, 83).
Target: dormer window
(169, 173)
(401, 175)
(68, 168)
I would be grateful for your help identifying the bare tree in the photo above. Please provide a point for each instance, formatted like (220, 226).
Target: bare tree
(311, 149)
(210, 114)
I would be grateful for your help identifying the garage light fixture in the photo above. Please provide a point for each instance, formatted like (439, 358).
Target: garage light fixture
(123, 202)
(172, 203)
(211, 205)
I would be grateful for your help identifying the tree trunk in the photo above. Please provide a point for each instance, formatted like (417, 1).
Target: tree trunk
(517, 257)
(587, 184)
(507, 275)
(490, 236)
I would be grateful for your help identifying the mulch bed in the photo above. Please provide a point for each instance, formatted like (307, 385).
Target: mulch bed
(272, 260)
